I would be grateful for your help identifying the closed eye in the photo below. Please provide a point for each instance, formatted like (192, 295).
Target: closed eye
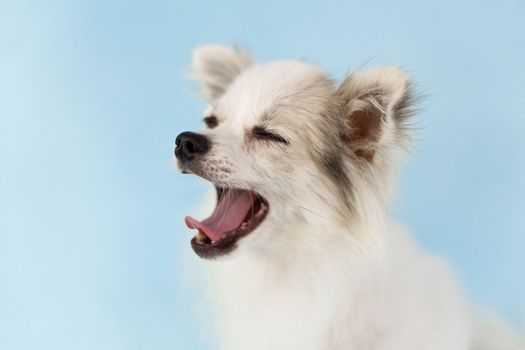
(261, 133)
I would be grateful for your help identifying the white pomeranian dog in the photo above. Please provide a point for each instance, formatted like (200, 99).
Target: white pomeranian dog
(304, 252)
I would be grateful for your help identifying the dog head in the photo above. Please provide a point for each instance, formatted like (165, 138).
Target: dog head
(289, 150)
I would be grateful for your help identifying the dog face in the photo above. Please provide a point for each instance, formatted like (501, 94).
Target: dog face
(286, 148)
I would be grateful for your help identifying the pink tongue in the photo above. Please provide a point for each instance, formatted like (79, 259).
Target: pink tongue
(229, 214)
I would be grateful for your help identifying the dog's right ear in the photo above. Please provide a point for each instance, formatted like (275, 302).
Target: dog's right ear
(216, 66)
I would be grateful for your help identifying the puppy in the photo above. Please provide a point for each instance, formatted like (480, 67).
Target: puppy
(303, 252)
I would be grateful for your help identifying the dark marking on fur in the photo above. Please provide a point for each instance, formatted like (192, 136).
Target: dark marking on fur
(333, 166)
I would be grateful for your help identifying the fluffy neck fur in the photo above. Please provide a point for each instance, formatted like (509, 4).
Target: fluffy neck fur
(350, 297)
(351, 288)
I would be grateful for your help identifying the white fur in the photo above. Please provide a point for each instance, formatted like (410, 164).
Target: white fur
(316, 274)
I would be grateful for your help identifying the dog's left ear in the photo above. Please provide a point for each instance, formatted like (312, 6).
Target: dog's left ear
(216, 66)
(377, 104)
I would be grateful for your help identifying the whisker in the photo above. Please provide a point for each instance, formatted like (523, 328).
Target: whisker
(313, 212)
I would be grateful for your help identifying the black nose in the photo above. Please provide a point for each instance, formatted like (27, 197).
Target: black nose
(190, 145)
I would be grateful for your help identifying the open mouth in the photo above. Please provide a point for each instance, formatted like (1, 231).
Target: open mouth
(237, 214)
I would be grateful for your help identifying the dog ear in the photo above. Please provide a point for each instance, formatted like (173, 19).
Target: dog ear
(216, 66)
(377, 104)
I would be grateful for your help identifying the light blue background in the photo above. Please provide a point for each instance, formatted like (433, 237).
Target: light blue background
(93, 93)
